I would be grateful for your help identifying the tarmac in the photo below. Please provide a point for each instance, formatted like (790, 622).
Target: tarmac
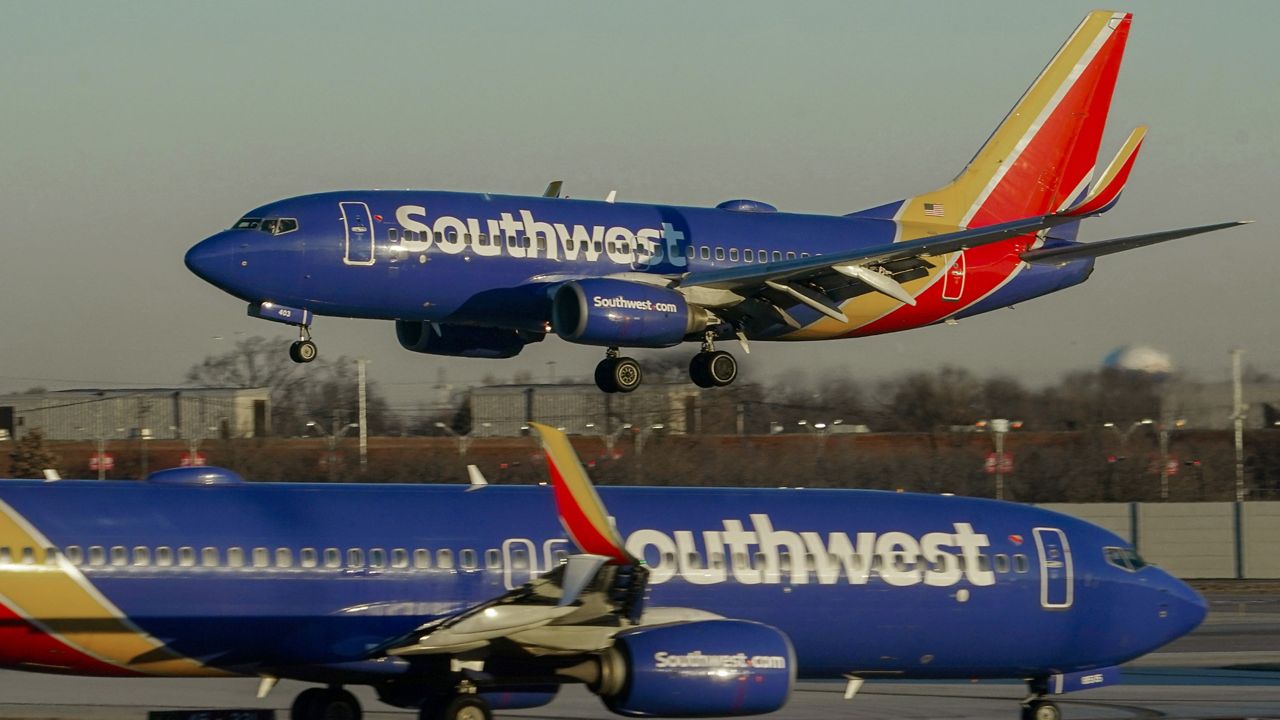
(1227, 668)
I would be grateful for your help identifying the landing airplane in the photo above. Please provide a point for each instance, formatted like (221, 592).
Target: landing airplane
(481, 275)
(458, 600)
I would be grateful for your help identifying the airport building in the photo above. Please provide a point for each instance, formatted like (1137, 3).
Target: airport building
(581, 409)
(153, 413)
(1209, 406)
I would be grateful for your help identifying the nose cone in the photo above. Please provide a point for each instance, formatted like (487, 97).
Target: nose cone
(213, 259)
(1185, 607)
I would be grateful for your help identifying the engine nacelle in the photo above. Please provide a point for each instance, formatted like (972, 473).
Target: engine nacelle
(462, 340)
(710, 668)
(617, 312)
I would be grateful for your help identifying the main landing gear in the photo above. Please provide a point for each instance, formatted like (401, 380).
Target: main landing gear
(303, 351)
(618, 374)
(712, 368)
(331, 703)
(459, 707)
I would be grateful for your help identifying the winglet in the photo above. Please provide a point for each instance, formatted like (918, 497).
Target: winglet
(581, 511)
(1105, 194)
(553, 189)
(476, 478)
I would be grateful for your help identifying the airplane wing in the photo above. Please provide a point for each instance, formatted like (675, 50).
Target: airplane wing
(873, 266)
(576, 607)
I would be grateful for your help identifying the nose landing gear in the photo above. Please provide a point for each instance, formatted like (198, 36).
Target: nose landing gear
(303, 350)
(618, 374)
(711, 367)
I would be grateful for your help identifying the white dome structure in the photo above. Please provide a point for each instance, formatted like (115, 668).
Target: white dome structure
(1140, 358)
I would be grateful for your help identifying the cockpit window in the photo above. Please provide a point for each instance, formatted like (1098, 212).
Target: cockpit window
(271, 226)
(1124, 558)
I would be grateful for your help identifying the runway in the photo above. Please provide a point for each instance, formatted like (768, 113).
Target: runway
(1228, 668)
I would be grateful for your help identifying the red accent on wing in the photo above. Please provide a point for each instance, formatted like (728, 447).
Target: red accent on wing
(580, 528)
(25, 647)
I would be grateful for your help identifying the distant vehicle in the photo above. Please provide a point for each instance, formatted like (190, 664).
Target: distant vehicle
(458, 600)
(481, 275)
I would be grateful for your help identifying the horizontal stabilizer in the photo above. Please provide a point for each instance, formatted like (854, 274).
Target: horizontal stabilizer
(1067, 253)
(1105, 194)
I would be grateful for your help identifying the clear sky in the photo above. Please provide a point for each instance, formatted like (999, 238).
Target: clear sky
(133, 130)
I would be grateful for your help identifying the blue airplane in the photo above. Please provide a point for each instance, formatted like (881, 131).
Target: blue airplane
(459, 601)
(481, 275)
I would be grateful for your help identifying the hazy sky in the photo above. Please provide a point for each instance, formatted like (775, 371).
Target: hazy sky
(133, 130)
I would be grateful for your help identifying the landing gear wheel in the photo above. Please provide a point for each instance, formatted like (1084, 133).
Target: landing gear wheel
(626, 375)
(713, 369)
(1041, 710)
(604, 375)
(460, 707)
(306, 705)
(303, 351)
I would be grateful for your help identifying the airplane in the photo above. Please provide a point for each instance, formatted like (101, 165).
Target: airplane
(483, 275)
(458, 600)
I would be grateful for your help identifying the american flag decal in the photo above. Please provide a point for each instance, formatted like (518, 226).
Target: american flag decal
(933, 209)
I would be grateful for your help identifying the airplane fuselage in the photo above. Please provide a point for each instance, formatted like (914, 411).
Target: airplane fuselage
(491, 260)
(311, 580)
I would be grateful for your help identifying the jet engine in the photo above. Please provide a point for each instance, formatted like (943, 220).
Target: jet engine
(621, 313)
(709, 668)
(462, 340)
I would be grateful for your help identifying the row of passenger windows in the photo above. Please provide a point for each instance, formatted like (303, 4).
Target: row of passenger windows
(422, 559)
(261, 557)
(539, 244)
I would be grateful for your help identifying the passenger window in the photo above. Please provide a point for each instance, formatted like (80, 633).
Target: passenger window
(355, 558)
(482, 239)
(444, 559)
(784, 561)
(141, 556)
(467, 559)
(777, 256)
(984, 563)
(119, 556)
(393, 234)
(332, 558)
(717, 560)
(733, 254)
(739, 561)
(261, 557)
(186, 556)
(51, 556)
(466, 239)
(307, 557)
(1002, 563)
(791, 256)
(235, 557)
(97, 555)
(75, 555)
(560, 557)
(1020, 563)
(439, 236)
(284, 558)
(399, 559)
(719, 253)
(749, 255)
(705, 252)
(377, 558)
(688, 251)
(6, 555)
(492, 559)
(209, 557)
(804, 255)
(421, 559)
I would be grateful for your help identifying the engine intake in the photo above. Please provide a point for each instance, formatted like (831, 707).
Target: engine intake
(622, 313)
(710, 668)
(462, 340)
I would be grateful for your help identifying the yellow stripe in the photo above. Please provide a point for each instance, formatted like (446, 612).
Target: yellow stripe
(46, 593)
(1119, 160)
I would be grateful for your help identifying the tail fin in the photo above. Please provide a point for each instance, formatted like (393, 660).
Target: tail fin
(1041, 158)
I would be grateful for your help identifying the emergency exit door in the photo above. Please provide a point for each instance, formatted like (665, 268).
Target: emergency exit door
(1056, 573)
(359, 230)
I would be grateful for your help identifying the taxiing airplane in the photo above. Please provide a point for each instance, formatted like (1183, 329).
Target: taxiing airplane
(461, 599)
(482, 275)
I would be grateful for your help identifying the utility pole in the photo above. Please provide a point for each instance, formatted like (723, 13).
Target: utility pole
(1238, 410)
(364, 426)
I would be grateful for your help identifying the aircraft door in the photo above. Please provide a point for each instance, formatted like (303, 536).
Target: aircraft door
(358, 224)
(1057, 577)
(519, 562)
(953, 282)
